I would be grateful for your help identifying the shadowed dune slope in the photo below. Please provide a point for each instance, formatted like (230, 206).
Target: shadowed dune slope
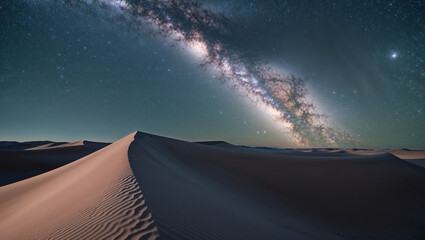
(19, 161)
(199, 191)
(95, 197)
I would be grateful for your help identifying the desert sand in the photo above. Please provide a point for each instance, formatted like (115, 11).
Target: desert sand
(19, 161)
(146, 187)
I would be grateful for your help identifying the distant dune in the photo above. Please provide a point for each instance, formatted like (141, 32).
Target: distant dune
(19, 161)
(146, 187)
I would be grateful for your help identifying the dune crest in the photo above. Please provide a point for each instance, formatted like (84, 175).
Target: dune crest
(95, 197)
(146, 186)
(273, 194)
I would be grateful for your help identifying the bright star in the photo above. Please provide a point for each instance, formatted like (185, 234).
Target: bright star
(394, 55)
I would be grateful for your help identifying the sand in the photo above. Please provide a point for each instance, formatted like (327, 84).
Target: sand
(145, 186)
(95, 197)
(19, 161)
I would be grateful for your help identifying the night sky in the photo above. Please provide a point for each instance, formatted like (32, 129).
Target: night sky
(271, 73)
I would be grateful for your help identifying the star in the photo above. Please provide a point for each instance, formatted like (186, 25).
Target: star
(394, 55)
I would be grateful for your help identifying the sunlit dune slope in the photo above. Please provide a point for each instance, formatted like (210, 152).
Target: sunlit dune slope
(95, 197)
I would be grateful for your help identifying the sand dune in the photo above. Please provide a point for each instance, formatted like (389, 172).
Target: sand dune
(95, 197)
(270, 194)
(4, 145)
(145, 186)
(19, 161)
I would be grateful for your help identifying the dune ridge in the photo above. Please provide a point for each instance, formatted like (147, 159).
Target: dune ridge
(94, 197)
(147, 187)
(263, 194)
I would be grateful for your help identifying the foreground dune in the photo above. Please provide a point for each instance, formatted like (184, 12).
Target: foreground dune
(95, 197)
(145, 186)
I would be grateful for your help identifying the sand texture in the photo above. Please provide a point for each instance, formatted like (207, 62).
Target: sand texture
(146, 187)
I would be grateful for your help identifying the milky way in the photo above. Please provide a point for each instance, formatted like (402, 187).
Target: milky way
(205, 33)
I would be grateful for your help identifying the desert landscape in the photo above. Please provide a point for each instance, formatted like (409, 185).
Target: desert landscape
(212, 119)
(147, 187)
